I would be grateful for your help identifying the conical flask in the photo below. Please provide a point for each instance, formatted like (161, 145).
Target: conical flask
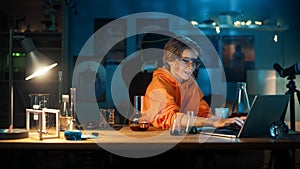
(241, 106)
(138, 121)
(190, 125)
(176, 129)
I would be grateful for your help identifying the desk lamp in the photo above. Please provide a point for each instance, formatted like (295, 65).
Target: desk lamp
(37, 64)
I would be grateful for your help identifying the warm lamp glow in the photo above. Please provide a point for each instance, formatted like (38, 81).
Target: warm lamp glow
(218, 29)
(275, 38)
(37, 63)
(195, 23)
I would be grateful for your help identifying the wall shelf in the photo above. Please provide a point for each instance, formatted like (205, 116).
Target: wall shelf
(273, 28)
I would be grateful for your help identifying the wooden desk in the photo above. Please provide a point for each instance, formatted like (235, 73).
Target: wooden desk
(125, 139)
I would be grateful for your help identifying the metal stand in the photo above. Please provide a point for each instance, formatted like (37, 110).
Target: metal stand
(286, 158)
(42, 122)
(292, 90)
(12, 133)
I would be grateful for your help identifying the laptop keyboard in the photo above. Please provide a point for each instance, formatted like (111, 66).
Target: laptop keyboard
(234, 127)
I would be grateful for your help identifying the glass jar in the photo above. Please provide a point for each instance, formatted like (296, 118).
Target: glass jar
(241, 106)
(138, 121)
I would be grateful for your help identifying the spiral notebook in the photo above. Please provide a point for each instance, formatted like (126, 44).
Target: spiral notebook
(265, 109)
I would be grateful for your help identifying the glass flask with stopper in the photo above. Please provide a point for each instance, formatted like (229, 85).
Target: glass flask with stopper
(241, 106)
(138, 121)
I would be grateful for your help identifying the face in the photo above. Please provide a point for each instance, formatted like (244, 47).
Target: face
(182, 68)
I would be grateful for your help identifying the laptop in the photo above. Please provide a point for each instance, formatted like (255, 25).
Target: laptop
(265, 109)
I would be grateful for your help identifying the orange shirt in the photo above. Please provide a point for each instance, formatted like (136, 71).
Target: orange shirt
(165, 96)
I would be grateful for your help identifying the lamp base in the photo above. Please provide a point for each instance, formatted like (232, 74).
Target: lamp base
(14, 134)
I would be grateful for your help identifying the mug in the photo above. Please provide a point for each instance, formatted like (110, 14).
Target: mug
(222, 112)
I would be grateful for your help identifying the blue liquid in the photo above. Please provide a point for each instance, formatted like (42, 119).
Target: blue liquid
(176, 132)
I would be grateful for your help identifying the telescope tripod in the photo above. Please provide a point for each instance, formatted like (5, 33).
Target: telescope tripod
(292, 90)
(283, 155)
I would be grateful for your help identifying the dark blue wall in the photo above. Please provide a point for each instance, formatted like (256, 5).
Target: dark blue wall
(286, 52)
(81, 25)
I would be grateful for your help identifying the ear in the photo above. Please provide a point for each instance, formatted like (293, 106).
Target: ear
(171, 62)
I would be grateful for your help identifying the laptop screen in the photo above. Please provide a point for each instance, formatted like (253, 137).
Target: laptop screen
(265, 110)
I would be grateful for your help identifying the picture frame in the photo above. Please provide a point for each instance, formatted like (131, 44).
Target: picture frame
(112, 33)
(238, 56)
(87, 66)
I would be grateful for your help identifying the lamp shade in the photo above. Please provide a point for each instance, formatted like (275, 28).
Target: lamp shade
(37, 63)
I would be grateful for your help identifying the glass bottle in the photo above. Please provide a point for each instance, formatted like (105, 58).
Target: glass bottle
(66, 119)
(138, 121)
(65, 106)
(241, 106)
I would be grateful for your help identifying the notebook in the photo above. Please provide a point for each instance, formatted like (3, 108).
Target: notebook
(265, 109)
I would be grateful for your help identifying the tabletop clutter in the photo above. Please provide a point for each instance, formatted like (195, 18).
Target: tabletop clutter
(40, 118)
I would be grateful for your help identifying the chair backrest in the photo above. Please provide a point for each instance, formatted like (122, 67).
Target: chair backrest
(150, 58)
(139, 84)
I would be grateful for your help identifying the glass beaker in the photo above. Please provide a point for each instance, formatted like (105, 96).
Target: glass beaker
(138, 121)
(241, 106)
(110, 116)
(107, 117)
(39, 101)
(176, 129)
